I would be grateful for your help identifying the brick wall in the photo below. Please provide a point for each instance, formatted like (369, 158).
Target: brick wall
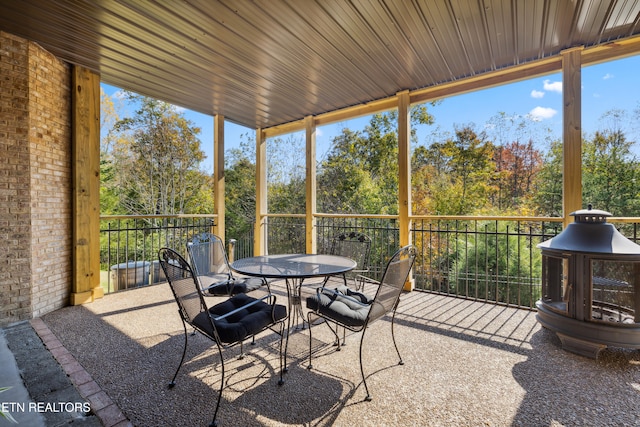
(35, 181)
(50, 157)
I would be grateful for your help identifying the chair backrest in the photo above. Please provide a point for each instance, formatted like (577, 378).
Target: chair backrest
(354, 245)
(208, 257)
(183, 284)
(393, 280)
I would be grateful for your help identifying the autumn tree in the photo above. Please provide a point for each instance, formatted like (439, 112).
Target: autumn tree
(517, 165)
(157, 156)
(455, 177)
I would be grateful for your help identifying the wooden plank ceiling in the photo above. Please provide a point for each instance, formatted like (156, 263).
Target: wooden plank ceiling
(267, 62)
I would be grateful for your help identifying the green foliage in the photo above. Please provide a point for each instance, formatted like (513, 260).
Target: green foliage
(454, 177)
(360, 173)
(609, 174)
(494, 262)
(286, 174)
(240, 197)
(547, 199)
(157, 155)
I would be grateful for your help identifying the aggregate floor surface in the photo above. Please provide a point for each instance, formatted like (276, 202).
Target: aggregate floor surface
(466, 364)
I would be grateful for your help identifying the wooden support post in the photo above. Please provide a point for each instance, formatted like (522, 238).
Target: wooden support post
(404, 173)
(85, 118)
(218, 176)
(571, 133)
(310, 217)
(260, 233)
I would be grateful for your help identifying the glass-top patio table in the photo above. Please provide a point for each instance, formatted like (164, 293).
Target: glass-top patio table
(294, 269)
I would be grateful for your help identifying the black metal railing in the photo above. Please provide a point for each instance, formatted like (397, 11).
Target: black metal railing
(488, 259)
(286, 234)
(492, 259)
(129, 246)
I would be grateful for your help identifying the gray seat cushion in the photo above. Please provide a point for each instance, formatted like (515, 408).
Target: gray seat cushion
(231, 286)
(341, 306)
(242, 324)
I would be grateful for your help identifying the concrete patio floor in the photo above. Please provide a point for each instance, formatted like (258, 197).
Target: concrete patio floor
(466, 364)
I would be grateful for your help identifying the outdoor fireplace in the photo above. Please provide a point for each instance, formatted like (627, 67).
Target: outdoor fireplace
(590, 279)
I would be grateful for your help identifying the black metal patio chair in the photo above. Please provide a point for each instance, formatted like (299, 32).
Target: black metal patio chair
(209, 260)
(356, 246)
(355, 311)
(227, 323)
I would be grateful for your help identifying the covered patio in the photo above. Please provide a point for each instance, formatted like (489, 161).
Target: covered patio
(276, 67)
(280, 67)
(466, 364)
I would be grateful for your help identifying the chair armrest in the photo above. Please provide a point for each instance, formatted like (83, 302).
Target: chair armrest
(363, 279)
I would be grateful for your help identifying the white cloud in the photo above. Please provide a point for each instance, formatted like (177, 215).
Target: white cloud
(552, 86)
(542, 113)
(119, 94)
(607, 76)
(537, 93)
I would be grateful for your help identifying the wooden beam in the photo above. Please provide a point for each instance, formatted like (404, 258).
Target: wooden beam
(218, 176)
(404, 173)
(614, 50)
(352, 112)
(571, 133)
(359, 110)
(310, 183)
(85, 141)
(592, 55)
(487, 80)
(260, 233)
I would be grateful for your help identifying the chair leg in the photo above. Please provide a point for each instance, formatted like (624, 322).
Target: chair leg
(310, 366)
(184, 352)
(242, 350)
(214, 423)
(281, 381)
(393, 337)
(335, 331)
(364, 380)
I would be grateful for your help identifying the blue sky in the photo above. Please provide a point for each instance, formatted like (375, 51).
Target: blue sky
(605, 87)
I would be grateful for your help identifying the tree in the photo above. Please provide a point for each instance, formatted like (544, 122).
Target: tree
(108, 187)
(360, 173)
(157, 155)
(455, 177)
(286, 174)
(517, 165)
(610, 172)
(492, 262)
(547, 199)
(240, 184)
